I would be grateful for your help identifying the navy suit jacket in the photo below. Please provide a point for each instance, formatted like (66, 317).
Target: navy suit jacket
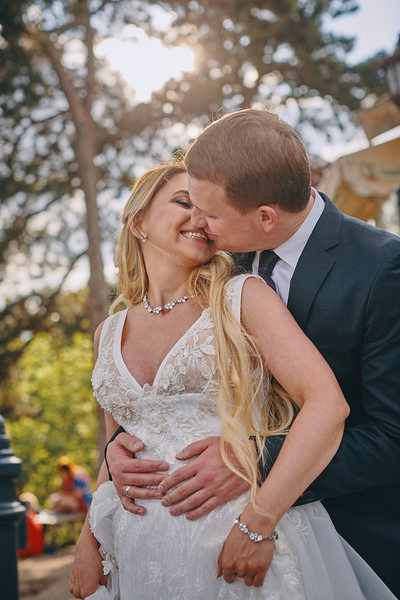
(345, 295)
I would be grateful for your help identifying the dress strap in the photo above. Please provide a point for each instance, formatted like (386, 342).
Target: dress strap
(108, 329)
(234, 288)
(103, 332)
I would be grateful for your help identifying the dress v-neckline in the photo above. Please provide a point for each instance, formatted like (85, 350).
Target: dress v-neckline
(119, 359)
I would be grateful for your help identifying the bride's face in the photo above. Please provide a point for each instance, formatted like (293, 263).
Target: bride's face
(170, 233)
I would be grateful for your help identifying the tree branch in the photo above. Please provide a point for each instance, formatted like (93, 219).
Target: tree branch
(76, 107)
(70, 267)
(103, 4)
(40, 121)
(90, 78)
(57, 30)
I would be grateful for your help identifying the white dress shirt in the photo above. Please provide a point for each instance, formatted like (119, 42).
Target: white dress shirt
(290, 251)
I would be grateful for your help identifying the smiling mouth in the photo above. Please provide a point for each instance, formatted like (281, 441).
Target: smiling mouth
(195, 235)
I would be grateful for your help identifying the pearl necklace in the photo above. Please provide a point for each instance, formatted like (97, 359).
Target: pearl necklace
(158, 309)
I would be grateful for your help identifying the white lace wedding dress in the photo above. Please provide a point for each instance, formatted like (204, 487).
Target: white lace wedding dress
(160, 557)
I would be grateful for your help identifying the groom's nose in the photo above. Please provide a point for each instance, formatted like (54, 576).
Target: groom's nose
(197, 218)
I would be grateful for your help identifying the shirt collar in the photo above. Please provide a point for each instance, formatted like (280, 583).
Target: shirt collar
(290, 251)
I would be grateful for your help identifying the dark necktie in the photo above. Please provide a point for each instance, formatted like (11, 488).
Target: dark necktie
(268, 260)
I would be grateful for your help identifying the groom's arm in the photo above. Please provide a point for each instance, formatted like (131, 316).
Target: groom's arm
(112, 438)
(369, 454)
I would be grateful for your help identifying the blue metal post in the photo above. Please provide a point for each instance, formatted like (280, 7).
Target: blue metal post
(10, 512)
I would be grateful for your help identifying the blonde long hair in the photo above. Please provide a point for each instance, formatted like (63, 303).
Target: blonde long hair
(250, 402)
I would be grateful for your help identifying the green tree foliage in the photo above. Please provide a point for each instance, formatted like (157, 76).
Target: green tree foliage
(61, 314)
(56, 414)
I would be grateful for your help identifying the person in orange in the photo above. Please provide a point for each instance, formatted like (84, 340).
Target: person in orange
(34, 528)
(75, 493)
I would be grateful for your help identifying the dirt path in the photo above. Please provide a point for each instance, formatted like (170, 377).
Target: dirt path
(46, 577)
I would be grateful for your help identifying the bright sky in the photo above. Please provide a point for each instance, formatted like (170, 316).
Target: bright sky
(376, 26)
(146, 64)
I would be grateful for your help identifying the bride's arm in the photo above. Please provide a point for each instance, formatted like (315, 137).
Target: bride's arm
(312, 440)
(87, 571)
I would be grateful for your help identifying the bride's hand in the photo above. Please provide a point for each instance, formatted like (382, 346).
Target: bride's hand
(87, 571)
(241, 557)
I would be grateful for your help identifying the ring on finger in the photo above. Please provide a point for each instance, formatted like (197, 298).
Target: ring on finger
(126, 489)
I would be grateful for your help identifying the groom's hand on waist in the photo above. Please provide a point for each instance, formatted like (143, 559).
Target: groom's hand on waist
(141, 475)
(205, 482)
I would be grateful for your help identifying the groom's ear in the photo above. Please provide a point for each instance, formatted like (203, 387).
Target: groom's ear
(268, 217)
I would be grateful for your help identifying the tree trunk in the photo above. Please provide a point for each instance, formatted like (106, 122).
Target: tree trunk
(99, 300)
(86, 152)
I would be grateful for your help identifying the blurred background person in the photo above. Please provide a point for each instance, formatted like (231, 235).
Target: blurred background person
(75, 493)
(32, 540)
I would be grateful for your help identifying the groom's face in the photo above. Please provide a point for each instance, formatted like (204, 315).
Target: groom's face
(224, 224)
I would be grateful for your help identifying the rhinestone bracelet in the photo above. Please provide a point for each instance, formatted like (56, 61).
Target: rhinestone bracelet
(255, 537)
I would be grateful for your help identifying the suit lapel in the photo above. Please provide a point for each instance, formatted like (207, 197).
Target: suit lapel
(314, 265)
(315, 262)
(312, 269)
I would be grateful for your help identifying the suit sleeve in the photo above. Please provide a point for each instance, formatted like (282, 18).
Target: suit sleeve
(369, 454)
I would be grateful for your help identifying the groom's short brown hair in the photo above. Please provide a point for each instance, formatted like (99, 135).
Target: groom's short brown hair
(256, 157)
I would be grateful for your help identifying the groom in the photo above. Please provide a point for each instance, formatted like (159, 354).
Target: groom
(340, 278)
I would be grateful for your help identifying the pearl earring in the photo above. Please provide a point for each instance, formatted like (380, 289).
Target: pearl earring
(143, 236)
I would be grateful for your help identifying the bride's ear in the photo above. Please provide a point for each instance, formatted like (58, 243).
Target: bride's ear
(134, 226)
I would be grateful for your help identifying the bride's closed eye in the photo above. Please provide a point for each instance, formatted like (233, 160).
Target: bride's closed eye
(184, 203)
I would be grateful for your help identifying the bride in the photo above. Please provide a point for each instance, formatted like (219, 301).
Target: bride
(198, 354)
